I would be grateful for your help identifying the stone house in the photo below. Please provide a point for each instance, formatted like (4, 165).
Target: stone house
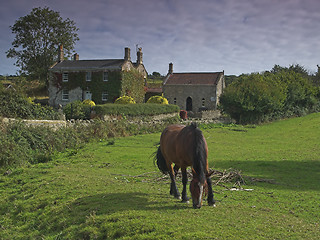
(102, 80)
(194, 91)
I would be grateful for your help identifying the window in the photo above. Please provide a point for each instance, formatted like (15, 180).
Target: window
(65, 94)
(104, 96)
(105, 76)
(88, 76)
(175, 101)
(65, 77)
(203, 102)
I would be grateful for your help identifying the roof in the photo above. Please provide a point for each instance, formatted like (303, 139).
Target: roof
(89, 64)
(193, 78)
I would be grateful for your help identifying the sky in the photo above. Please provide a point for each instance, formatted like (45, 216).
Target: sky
(234, 36)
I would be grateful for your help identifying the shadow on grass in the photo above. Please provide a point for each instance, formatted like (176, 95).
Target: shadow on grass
(109, 203)
(286, 174)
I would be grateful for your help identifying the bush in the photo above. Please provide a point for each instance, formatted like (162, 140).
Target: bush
(140, 109)
(16, 105)
(255, 98)
(78, 110)
(124, 100)
(158, 99)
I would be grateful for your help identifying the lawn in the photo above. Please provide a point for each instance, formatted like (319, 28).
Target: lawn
(113, 190)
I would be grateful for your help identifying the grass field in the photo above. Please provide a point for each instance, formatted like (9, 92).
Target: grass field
(112, 190)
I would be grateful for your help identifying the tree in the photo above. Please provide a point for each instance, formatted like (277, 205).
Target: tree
(38, 37)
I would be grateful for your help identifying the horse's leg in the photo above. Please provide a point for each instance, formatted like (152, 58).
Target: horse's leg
(175, 169)
(211, 201)
(184, 182)
(173, 188)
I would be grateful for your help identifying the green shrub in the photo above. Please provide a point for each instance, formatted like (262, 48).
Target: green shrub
(158, 99)
(139, 109)
(124, 100)
(77, 110)
(16, 105)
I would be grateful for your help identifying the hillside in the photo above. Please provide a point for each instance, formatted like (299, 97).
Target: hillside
(112, 189)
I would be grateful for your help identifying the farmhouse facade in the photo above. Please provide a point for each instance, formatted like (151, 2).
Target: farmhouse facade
(194, 91)
(102, 80)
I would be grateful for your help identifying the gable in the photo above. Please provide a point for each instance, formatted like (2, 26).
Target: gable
(193, 78)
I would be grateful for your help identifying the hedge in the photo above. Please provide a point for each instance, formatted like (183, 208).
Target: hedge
(141, 109)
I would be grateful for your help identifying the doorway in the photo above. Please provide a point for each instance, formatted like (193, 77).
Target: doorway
(189, 104)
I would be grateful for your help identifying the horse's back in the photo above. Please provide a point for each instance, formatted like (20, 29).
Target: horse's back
(168, 141)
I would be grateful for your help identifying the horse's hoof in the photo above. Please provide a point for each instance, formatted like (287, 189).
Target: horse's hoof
(185, 201)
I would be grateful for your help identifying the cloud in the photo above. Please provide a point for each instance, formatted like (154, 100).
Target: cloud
(204, 35)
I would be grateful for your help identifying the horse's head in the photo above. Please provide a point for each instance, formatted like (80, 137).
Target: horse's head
(197, 190)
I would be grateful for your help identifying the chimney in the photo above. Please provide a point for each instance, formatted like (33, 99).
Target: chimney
(170, 68)
(60, 54)
(127, 54)
(76, 57)
(139, 56)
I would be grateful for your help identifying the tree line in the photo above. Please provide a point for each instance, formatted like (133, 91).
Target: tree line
(279, 93)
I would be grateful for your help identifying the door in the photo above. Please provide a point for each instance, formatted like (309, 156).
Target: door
(189, 104)
(87, 95)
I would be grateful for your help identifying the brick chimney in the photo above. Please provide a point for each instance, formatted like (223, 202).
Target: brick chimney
(76, 57)
(60, 54)
(170, 71)
(139, 56)
(127, 54)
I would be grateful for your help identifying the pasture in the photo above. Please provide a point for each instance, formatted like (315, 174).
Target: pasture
(113, 190)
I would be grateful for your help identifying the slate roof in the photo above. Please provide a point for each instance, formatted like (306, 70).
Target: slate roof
(88, 64)
(193, 78)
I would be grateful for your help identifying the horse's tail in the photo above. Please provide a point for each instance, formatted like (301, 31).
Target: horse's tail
(200, 153)
(161, 162)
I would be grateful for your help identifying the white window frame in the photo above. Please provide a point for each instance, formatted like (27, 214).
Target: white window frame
(88, 76)
(104, 96)
(65, 77)
(65, 95)
(105, 76)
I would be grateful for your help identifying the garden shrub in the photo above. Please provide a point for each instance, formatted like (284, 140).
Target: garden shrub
(139, 109)
(78, 110)
(124, 100)
(158, 99)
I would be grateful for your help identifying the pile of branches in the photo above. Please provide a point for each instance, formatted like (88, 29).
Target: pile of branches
(218, 177)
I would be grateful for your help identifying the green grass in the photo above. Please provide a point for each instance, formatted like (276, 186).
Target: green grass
(111, 190)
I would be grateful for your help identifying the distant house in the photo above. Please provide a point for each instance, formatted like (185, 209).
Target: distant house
(194, 91)
(101, 80)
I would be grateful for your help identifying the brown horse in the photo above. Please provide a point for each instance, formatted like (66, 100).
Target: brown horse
(185, 146)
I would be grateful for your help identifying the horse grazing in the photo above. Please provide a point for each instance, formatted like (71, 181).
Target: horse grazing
(185, 146)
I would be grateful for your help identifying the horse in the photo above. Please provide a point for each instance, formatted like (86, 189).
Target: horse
(185, 146)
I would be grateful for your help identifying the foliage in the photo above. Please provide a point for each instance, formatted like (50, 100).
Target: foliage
(259, 97)
(15, 105)
(111, 190)
(132, 85)
(89, 102)
(158, 100)
(37, 38)
(21, 144)
(124, 100)
(139, 109)
(77, 110)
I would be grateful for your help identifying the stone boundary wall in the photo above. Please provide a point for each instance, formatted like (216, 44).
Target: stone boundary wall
(55, 124)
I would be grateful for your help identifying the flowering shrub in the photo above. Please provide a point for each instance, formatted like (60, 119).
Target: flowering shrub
(158, 99)
(89, 102)
(124, 100)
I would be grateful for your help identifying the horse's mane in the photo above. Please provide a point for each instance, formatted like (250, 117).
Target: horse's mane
(200, 153)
